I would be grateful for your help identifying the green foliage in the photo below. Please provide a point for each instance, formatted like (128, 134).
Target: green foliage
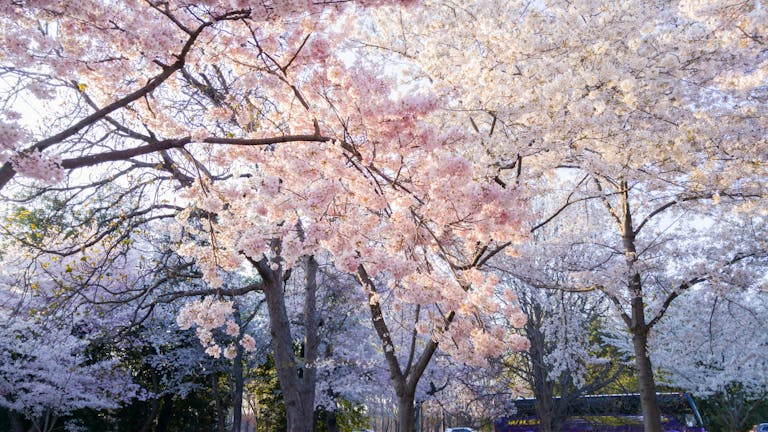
(31, 226)
(169, 411)
(348, 417)
(194, 413)
(626, 378)
(267, 400)
(733, 410)
(351, 416)
(65, 218)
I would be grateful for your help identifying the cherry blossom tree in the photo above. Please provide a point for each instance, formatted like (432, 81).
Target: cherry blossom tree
(654, 110)
(123, 79)
(41, 384)
(420, 209)
(713, 345)
(358, 371)
(291, 151)
(100, 259)
(47, 368)
(565, 360)
(103, 254)
(178, 79)
(569, 356)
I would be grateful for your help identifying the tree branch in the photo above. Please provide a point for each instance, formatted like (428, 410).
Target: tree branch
(7, 172)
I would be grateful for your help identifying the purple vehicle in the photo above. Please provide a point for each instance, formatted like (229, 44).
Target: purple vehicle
(608, 413)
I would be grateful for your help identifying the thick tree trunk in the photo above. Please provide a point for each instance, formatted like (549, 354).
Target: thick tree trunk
(330, 421)
(651, 412)
(311, 339)
(166, 413)
(237, 390)
(219, 406)
(639, 330)
(285, 360)
(154, 405)
(544, 412)
(404, 379)
(406, 412)
(543, 387)
(638, 326)
(17, 422)
(297, 383)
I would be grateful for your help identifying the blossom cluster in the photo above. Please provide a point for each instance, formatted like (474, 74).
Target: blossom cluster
(381, 184)
(10, 137)
(40, 166)
(210, 314)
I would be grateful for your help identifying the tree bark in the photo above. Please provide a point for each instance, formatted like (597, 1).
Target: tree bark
(154, 404)
(217, 401)
(638, 326)
(543, 387)
(651, 412)
(17, 422)
(406, 412)
(285, 360)
(405, 379)
(166, 412)
(297, 382)
(311, 339)
(237, 383)
(331, 424)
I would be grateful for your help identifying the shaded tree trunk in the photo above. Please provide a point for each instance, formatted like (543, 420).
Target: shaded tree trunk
(237, 381)
(543, 387)
(651, 411)
(297, 381)
(237, 390)
(311, 338)
(154, 405)
(217, 400)
(166, 413)
(406, 412)
(330, 421)
(405, 379)
(17, 422)
(638, 326)
(286, 363)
